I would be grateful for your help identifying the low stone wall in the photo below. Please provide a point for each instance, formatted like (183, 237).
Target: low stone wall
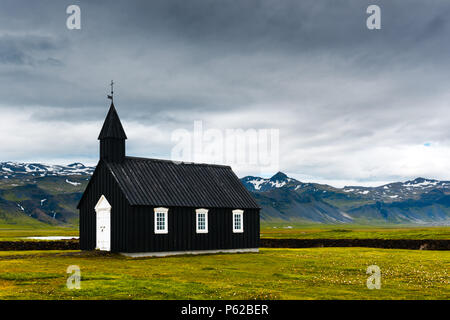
(370, 243)
(40, 245)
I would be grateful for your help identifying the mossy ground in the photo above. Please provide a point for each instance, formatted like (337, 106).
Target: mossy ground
(295, 231)
(314, 273)
(272, 230)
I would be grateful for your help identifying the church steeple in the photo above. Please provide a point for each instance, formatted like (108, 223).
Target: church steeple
(112, 127)
(112, 137)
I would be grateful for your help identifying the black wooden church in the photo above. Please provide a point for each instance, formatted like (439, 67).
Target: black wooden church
(139, 206)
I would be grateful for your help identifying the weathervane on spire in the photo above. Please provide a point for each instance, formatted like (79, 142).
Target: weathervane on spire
(111, 97)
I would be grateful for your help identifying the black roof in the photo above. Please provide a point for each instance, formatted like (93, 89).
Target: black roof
(154, 182)
(112, 127)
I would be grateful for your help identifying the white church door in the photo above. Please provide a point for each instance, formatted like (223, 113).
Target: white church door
(103, 219)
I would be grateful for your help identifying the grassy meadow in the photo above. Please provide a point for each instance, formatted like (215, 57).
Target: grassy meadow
(270, 230)
(13, 232)
(313, 273)
(314, 231)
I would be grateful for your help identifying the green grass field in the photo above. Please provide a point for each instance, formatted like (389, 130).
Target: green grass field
(12, 232)
(272, 230)
(315, 273)
(295, 231)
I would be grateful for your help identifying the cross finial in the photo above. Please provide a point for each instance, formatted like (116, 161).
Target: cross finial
(112, 91)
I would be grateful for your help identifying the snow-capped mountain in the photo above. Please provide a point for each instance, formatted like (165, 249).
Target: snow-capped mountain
(395, 191)
(411, 189)
(420, 201)
(33, 193)
(10, 170)
(279, 180)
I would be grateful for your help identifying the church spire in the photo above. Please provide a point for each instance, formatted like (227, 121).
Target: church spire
(112, 127)
(112, 136)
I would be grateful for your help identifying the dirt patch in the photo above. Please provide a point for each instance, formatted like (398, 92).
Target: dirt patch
(370, 243)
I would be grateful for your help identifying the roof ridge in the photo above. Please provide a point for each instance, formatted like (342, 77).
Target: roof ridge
(177, 162)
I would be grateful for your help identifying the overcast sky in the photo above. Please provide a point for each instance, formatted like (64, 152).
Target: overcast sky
(352, 105)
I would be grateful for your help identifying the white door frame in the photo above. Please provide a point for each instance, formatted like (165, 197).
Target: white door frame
(103, 224)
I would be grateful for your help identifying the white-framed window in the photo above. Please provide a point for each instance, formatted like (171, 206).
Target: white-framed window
(201, 220)
(238, 221)
(161, 220)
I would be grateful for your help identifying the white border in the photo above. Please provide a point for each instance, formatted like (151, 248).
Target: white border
(166, 220)
(102, 204)
(197, 212)
(241, 213)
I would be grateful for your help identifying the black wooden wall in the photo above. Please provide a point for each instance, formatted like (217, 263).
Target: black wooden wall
(112, 149)
(182, 234)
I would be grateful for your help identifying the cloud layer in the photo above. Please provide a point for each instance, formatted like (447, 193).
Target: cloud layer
(352, 105)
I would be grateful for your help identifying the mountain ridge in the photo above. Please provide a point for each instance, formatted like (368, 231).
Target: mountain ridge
(417, 201)
(14, 169)
(42, 193)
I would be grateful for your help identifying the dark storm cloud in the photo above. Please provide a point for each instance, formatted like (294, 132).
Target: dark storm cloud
(221, 37)
(26, 49)
(341, 95)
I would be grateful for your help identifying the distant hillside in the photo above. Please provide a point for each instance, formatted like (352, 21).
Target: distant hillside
(39, 194)
(419, 201)
(26, 170)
